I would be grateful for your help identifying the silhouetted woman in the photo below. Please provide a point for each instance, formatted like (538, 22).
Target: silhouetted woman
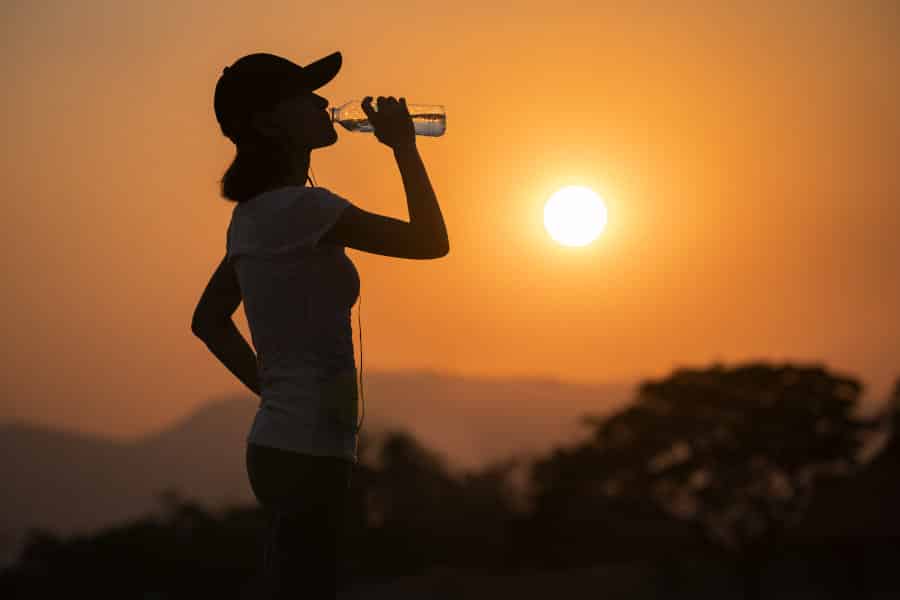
(285, 259)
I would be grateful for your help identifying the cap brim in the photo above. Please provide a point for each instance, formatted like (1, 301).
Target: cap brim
(318, 73)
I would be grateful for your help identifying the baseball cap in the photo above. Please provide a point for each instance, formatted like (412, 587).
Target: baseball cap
(259, 81)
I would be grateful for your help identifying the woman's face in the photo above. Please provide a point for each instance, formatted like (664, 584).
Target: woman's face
(301, 121)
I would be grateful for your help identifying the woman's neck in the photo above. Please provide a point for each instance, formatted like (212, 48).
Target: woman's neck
(298, 170)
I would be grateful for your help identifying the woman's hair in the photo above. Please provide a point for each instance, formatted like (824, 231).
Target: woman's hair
(256, 167)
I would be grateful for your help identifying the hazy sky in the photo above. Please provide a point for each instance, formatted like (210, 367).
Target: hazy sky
(748, 152)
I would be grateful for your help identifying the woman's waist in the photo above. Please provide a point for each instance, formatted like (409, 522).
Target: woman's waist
(289, 388)
(305, 362)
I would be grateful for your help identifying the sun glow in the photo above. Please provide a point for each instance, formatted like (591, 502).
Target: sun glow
(574, 216)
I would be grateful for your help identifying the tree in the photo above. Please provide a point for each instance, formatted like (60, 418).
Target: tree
(736, 452)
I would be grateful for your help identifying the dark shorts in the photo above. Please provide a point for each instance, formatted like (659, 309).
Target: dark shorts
(304, 498)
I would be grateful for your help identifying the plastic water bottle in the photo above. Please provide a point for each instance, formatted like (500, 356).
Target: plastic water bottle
(428, 119)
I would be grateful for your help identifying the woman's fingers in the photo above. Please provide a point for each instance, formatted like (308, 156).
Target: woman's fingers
(367, 106)
(389, 104)
(381, 101)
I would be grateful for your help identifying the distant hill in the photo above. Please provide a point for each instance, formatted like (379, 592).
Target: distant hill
(69, 483)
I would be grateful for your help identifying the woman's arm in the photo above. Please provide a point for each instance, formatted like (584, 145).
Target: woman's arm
(424, 210)
(229, 346)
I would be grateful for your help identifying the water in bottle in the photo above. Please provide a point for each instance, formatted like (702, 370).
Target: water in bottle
(428, 119)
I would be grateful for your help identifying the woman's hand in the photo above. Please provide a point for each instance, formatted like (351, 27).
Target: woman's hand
(391, 123)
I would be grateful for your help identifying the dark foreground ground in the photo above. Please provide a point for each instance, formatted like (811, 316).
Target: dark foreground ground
(791, 578)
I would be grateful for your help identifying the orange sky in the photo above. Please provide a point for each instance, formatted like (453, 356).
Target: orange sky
(748, 154)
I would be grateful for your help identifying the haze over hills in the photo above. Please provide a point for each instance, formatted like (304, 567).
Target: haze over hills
(68, 482)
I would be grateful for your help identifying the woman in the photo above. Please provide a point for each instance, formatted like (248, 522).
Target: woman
(285, 259)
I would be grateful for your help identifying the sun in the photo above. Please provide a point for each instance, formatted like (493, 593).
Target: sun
(574, 216)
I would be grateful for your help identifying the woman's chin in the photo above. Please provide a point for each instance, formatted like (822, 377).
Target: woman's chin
(329, 139)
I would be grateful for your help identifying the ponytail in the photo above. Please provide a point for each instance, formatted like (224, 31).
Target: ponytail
(254, 168)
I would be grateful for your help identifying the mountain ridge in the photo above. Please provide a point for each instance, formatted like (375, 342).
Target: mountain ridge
(70, 482)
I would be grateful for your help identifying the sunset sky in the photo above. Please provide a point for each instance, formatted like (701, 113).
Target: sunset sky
(748, 154)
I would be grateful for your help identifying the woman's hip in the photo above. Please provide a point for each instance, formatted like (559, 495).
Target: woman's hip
(288, 481)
